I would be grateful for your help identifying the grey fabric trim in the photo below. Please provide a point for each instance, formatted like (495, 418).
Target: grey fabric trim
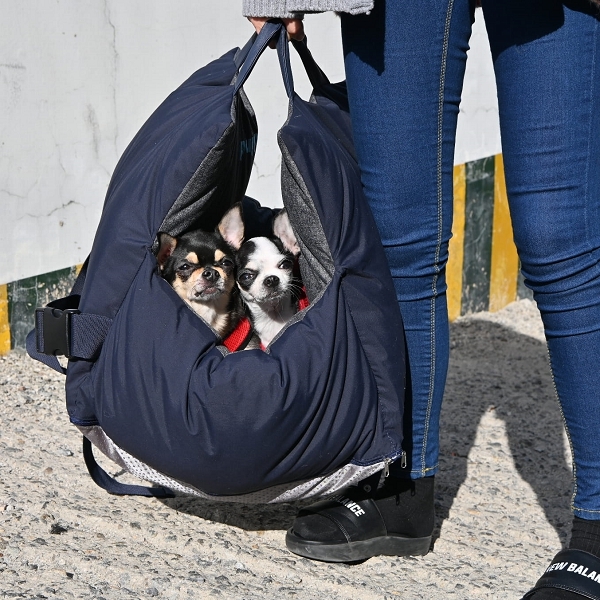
(186, 208)
(316, 263)
(291, 8)
(310, 488)
(245, 102)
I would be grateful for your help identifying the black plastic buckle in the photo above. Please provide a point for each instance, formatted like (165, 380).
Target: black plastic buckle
(56, 331)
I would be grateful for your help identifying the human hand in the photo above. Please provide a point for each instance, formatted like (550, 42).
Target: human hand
(294, 27)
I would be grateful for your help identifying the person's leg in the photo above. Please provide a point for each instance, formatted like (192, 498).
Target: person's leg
(404, 66)
(547, 62)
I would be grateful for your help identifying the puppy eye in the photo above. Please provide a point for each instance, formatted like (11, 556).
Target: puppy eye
(184, 267)
(246, 277)
(227, 263)
(286, 264)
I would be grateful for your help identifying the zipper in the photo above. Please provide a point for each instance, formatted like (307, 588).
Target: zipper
(388, 461)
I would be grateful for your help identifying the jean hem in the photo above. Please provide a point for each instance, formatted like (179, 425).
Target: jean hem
(426, 472)
(583, 513)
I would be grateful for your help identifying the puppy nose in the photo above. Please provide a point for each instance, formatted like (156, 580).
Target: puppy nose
(210, 274)
(271, 281)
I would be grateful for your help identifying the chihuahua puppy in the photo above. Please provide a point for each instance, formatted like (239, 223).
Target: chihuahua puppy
(200, 266)
(265, 277)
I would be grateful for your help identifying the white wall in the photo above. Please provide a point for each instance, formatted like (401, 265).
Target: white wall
(79, 77)
(478, 134)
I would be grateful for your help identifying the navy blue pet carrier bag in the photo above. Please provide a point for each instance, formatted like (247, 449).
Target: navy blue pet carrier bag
(152, 386)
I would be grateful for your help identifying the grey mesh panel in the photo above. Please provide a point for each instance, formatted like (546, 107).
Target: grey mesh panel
(319, 486)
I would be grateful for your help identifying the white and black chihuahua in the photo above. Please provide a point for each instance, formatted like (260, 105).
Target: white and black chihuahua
(266, 280)
(200, 266)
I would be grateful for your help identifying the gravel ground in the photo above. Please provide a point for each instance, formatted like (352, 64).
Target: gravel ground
(502, 499)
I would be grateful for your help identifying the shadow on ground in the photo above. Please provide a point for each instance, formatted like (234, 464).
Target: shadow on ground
(493, 368)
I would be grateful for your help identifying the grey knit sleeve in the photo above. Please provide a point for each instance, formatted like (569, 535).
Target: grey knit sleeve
(269, 8)
(354, 7)
(291, 9)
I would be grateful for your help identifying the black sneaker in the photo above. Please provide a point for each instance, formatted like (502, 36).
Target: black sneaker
(395, 520)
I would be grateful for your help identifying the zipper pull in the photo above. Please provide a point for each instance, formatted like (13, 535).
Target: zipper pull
(387, 462)
(386, 468)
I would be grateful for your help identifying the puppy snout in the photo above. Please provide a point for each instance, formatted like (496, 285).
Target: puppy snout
(272, 281)
(211, 275)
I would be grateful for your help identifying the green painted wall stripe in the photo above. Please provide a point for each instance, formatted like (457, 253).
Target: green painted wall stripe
(479, 212)
(26, 295)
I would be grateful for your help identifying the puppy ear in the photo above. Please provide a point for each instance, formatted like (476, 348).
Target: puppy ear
(167, 245)
(231, 226)
(282, 228)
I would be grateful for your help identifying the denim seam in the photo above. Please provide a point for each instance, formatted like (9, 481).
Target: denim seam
(589, 144)
(574, 463)
(440, 132)
(566, 426)
(587, 179)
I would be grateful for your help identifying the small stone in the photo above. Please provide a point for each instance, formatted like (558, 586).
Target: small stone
(58, 529)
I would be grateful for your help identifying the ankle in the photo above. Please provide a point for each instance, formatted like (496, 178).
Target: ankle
(585, 536)
(407, 505)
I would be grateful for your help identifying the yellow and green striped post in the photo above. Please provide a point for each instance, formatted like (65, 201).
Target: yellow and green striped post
(4, 321)
(19, 299)
(483, 267)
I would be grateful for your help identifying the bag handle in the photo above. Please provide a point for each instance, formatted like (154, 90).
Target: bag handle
(242, 53)
(257, 44)
(316, 76)
(283, 53)
(270, 30)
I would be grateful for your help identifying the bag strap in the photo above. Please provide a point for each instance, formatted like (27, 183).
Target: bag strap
(242, 53)
(316, 76)
(323, 86)
(283, 53)
(61, 329)
(274, 29)
(270, 30)
(102, 479)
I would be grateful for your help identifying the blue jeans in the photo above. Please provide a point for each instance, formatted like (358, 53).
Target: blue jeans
(405, 64)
